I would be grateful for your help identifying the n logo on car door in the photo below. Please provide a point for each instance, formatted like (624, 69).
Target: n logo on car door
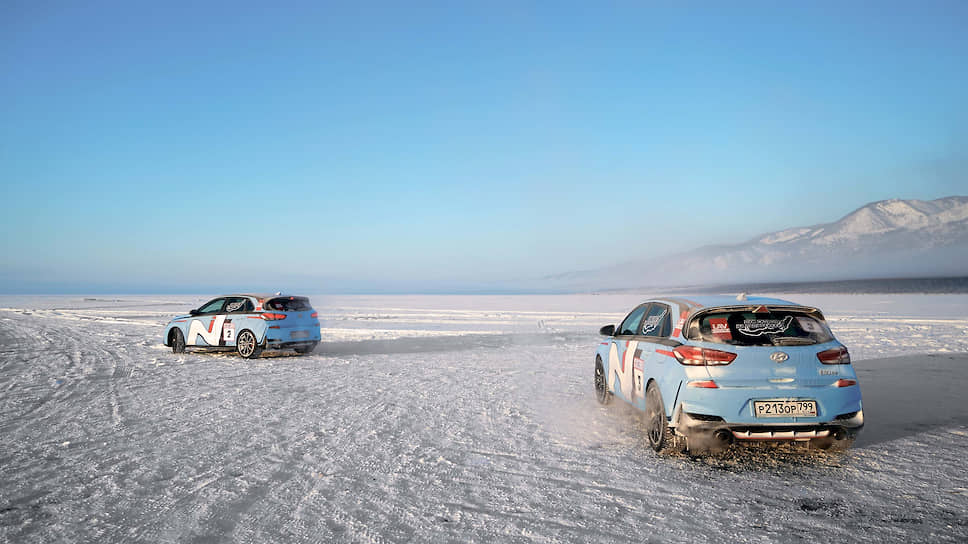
(211, 335)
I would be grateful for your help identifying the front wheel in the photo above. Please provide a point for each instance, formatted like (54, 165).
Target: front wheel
(246, 345)
(602, 394)
(177, 341)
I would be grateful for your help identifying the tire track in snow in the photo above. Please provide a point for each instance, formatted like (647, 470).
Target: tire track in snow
(497, 440)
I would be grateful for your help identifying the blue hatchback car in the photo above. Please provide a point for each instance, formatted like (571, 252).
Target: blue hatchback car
(708, 371)
(250, 323)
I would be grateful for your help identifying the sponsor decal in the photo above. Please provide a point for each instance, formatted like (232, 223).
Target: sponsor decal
(623, 373)
(652, 323)
(720, 328)
(808, 324)
(759, 327)
(233, 307)
(228, 331)
(681, 323)
(210, 335)
(637, 372)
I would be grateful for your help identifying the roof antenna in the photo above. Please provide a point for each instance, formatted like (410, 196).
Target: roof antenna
(741, 297)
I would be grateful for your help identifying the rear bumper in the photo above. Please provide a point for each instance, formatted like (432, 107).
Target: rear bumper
(278, 344)
(303, 334)
(735, 404)
(844, 427)
(292, 337)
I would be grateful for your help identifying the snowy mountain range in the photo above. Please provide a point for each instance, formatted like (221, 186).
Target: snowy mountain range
(889, 238)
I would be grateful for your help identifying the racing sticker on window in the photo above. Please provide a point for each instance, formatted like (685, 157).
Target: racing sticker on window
(228, 331)
(720, 328)
(759, 327)
(234, 306)
(652, 322)
(808, 324)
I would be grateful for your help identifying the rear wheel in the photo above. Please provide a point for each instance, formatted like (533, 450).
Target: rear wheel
(306, 349)
(831, 443)
(246, 345)
(177, 341)
(602, 394)
(657, 427)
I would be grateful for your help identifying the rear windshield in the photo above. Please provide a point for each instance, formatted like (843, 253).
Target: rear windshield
(289, 304)
(775, 327)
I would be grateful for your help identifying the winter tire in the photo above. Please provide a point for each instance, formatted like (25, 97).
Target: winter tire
(657, 428)
(602, 394)
(302, 350)
(177, 341)
(246, 345)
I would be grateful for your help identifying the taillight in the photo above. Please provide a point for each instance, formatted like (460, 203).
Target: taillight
(314, 314)
(844, 383)
(693, 356)
(836, 356)
(703, 384)
(273, 317)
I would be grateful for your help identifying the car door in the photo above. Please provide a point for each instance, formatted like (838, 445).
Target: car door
(653, 341)
(205, 327)
(621, 354)
(235, 311)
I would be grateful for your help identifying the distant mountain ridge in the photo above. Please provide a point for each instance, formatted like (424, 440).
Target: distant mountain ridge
(889, 238)
(879, 218)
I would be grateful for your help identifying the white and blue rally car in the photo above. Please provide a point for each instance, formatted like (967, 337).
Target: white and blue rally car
(250, 323)
(708, 371)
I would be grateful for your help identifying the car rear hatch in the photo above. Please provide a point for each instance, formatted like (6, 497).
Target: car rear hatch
(776, 347)
(293, 316)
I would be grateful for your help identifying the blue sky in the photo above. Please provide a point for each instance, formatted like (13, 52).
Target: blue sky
(362, 146)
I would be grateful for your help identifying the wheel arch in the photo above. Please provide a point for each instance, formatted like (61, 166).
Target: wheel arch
(170, 332)
(250, 329)
(600, 361)
(257, 327)
(666, 407)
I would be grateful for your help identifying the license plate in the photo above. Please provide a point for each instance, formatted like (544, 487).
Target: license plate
(785, 408)
(299, 334)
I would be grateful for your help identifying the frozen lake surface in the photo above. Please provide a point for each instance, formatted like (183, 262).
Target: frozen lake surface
(448, 419)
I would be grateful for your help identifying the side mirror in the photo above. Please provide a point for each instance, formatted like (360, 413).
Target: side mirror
(193, 312)
(607, 330)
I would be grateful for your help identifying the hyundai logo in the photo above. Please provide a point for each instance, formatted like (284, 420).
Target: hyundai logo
(779, 357)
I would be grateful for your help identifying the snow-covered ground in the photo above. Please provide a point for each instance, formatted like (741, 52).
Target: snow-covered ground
(456, 419)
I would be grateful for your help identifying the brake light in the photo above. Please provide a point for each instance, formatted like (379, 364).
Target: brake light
(704, 384)
(693, 356)
(836, 356)
(314, 314)
(844, 383)
(273, 317)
